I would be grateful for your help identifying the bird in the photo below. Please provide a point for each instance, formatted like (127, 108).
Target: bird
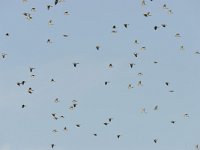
(156, 27)
(31, 69)
(171, 91)
(173, 122)
(136, 42)
(143, 3)
(136, 54)
(110, 66)
(170, 11)
(54, 130)
(97, 47)
(50, 22)
(48, 7)
(30, 90)
(140, 74)
(52, 80)
(95, 134)
(23, 82)
(139, 83)
(167, 83)
(155, 140)
(66, 13)
(78, 125)
(147, 14)
(4, 55)
(7, 34)
(52, 145)
(49, 41)
(65, 35)
(56, 100)
(163, 25)
(197, 147)
(156, 107)
(27, 15)
(106, 82)
(181, 47)
(33, 9)
(186, 115)
(23, 106)
(165, 6)
(114, 31)
(75, 64)
(56, 2)
(131, 65)
(18, 83)
(110, 119)
(114, 27)
(155, 62)
(105, 123)
(126, 25)
(177, 35)
(143, 48)
(197, 52)
(130, 86)
(118, 136)
(65, 128)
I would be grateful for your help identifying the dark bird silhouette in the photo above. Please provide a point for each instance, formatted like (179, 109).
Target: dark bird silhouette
(97, 47)
(30, 90)
(105, 123)
(78, 125)
(147, 14)
(118, 136)
(56, 2)
(23, 106)
(136, 54)
(155, 140)
(110, 119)
(4, 55)
(48, 7)
(173, 122)
(75, 64)
(31, 69)
(106, 82)
(7, 34)
(126, 25)
(131, 65)
(167, 83)
(52, 145)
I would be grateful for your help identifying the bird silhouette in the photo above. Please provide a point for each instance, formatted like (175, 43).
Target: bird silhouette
(75, 64)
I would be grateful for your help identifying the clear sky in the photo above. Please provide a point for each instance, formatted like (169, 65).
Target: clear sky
(88, 24)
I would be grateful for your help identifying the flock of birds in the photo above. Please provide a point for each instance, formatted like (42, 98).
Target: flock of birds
(114, 30)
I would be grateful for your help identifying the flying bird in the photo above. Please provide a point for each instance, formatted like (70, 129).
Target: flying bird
(75, 64)
(56, 2)
(147, 14)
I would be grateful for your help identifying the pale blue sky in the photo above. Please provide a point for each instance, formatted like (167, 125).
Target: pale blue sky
(88, 24)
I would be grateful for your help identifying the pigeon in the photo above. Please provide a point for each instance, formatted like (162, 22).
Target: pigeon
(173, 122)
(155, 140)
(4, 55)
(126, 25)
(147, 14)
(30, 90)
(78, 125)
(31, 69)
(97, 47)
(52, 145)
(156, 107)
(131, 65)
(48, 7)
(75, 64)
(106, 82)
(56, 2)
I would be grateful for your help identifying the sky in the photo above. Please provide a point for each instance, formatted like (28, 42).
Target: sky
(88, 24)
